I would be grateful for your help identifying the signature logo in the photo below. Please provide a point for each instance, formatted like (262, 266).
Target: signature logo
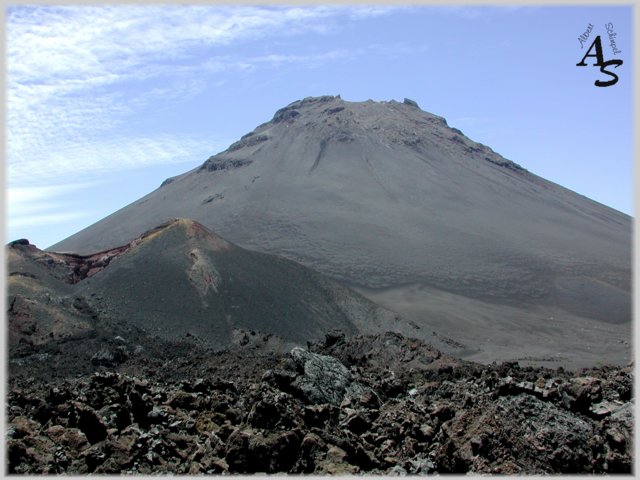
(595, 51)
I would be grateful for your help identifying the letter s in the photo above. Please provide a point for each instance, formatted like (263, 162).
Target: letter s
(616, 64)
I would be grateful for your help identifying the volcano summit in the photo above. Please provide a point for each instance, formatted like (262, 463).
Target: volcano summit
(485, 257)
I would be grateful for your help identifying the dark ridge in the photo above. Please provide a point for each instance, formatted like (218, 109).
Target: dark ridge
(412, 103)
(217, 163)
(167, 181)
(248, 140)
(288, 113)
(22, 241)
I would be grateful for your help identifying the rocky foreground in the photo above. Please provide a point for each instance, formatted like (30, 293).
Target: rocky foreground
(379, 404)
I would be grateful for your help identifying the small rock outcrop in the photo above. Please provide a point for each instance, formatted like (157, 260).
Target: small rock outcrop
(411, 103)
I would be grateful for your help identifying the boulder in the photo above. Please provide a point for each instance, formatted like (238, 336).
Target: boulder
(86, 419)
(115, 416)
(110, 357)
(73, 439)
(312, 451)
(322, 378)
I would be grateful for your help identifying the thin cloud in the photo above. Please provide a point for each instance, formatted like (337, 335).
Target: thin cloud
(24, 195)
(69, 69)
(44, 219)
(43, 205)
(470, 12)
(308, 60)
(103, 44)
(86, 159)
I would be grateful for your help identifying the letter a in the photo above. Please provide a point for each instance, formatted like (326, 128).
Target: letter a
(596, 43)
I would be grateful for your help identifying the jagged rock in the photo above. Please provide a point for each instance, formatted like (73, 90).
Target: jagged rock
(183, 400)
(117, 454)
(285, 115)
(312, 451)
(357, 423)
(237, 452)
(280, 378)
(216, 465)
(443, 411)
(397, 471)
(72, 438)
(110, 357)
(369, 399)
(322, 378)
(247, 452)
(21, 241)
(115, 416)
(157, 415)
(32, 455)
(625, 415)
(605, 408)
(421, 465)
(200, 385)
(248, 140)
(275, 452)
(320, 416)
(179, 444)
(519, 426)
(274, 410)
(333, 337)
(335, 463)
(22, 427)
(581, 392)
(86, 419)
(57, 396)
(176, 420)
(412, 103)
(139, 405)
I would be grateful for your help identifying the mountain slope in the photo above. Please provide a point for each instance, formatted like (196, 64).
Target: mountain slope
(390, 199)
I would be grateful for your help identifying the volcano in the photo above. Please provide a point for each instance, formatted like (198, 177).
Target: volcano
(474, 249)
(179, 281)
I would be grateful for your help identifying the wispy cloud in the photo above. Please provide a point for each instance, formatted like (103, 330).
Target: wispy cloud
(78, 159)
(100, 45)
(44, 205)
(75, 48)
(65, 67)
(472, 12)
(50, 218)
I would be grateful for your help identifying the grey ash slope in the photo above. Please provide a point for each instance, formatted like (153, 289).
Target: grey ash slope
(388, 198)
(180, 280)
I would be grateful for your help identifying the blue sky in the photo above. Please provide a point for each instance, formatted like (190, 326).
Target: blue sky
(104, 103)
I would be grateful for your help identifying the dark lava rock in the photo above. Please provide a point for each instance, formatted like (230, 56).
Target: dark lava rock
(246, 411)
(357, 423)
(323, 379)
(110, 357)
(87, 420)
(21, 241)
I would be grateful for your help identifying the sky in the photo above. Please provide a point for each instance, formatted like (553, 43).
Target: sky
(104, 103)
